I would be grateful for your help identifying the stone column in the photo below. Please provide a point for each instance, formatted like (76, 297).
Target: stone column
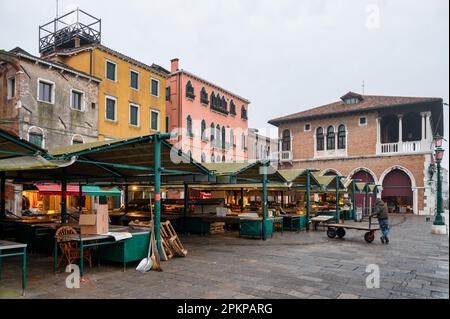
(378, 120)
(400, 132)
(424, 133)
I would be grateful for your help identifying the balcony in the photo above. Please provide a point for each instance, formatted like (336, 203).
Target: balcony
(403, 147)
(286, 156)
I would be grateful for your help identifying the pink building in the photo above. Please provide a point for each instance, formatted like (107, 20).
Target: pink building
(212, 123)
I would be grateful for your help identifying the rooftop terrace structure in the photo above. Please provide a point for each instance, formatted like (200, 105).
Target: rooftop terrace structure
(73, 29)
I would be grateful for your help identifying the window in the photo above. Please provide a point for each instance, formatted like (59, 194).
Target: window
(154, 121)
(189, 126)
(223, 159)
(167, 124)
(224, 137)
(155, 87)
(232, 138)
(307, 127)
(232, 108)
(213, 158)
(77, 139)
(363, 121)
(213, 100)
(204, 130)
(243, 113)
(286, 141)
(331, 142)
(111, 71)
(341, 137)
(243, 142)
(11, 88)
(36, 136)
(213, 130)
(204, 96)
(203, 159)
(218, 135)
(320, 140)
(46, 91)
(224, 104)
(134, 115)
(353, 100)
(134, 80)
(168, 93)
(110, 109)
(77, 100)
(190, 93)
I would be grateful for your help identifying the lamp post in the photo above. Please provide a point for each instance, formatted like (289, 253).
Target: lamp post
(439, 225)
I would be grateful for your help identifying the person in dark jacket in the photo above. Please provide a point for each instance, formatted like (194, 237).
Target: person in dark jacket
(381, 212)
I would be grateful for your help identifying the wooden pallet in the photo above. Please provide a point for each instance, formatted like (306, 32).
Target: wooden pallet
(172, 242)
(217, 228)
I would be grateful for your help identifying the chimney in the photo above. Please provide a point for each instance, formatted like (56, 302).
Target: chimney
(77, 42)
(174, 65)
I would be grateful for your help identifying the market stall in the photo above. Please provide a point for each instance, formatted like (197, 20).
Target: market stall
(332, 199)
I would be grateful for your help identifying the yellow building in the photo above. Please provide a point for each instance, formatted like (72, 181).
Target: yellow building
(131, 94)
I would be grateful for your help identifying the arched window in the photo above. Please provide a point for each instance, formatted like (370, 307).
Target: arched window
(189, 126)
(213, 131)
(331, 138)
(223, 159)
(218, 135)
(244, 113)
(36, 136)
(203, 158)
(213, 158)
(243, 142)
(204, 130)
(204, 96)
(286, 141)
(320, 139)
(341, 137)
(213, 100)
(232, 108)
(77, 139)
(224, 137)
(218, 159)
(224, 104)
(232, 137)
(190, 93)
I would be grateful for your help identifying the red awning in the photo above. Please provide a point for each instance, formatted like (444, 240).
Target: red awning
(55, 189)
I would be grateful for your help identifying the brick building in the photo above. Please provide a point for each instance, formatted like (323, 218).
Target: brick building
(261, 146)
(382, 139)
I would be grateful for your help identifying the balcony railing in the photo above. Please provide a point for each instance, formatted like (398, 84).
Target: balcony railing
(403, 147)
(286, 156)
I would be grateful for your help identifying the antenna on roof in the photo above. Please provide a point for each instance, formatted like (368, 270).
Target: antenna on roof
(57, 13)
(363, 87)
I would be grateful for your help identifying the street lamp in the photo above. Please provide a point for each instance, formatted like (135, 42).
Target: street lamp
(439, 225)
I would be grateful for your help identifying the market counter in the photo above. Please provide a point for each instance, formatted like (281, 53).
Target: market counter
(252, 227)
(294, 222)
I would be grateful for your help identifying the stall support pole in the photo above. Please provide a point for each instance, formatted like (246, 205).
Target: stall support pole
(186, 204)
(367, 200)
(2, 195)
(282, 199)
(80, 198)
(354, 199)
(242, 200)
(64, 200)
(308, 199)
(157, 220)
(126, 198)
(338, 214)
(264, 234)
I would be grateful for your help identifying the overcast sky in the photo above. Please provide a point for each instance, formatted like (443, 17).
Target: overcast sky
(283, 55)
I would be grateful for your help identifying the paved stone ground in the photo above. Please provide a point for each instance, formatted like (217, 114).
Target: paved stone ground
(290, 265)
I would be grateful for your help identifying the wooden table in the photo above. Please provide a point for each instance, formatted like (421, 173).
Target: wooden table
(87, 241)
(8, 245)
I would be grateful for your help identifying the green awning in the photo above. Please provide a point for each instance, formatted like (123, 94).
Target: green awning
(28, 163)
(98, 191)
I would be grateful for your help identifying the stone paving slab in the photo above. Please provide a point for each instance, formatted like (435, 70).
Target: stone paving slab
(306, 265)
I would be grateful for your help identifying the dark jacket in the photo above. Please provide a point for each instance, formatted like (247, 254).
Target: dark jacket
(381, 210)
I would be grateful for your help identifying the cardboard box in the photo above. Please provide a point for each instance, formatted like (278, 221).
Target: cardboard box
(95, 224)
